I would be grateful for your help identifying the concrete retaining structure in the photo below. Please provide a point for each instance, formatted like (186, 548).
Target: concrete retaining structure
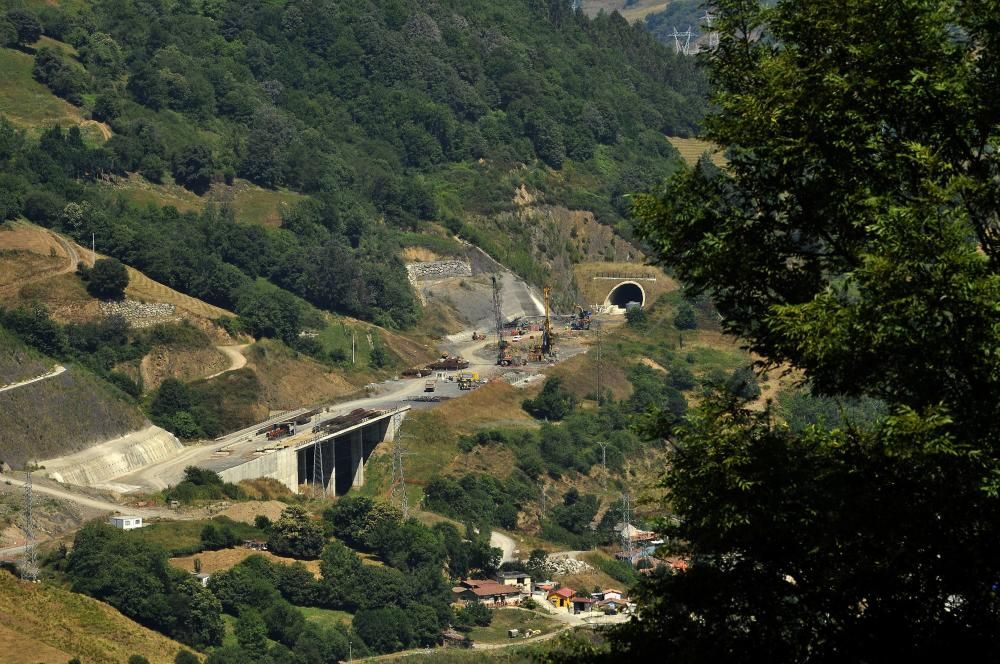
(114, 458)
(281, 465)
(438, 270)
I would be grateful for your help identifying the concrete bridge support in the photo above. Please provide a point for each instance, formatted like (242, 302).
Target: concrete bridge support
(357, 458)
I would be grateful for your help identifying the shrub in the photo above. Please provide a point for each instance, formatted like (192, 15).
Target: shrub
(685, 319)
(107, 280)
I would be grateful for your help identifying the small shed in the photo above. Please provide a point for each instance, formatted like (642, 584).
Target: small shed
(581, 604)
(126, 522)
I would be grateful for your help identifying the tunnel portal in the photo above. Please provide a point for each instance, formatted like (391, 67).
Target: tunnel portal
(626, 293)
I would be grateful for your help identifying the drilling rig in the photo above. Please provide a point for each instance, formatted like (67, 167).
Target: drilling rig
(547, 340)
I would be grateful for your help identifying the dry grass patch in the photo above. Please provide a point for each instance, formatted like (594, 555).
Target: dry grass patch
(290, 380)
(691, 150)
(246, 512)
(579, 374)
(42, 623)
(220, 561)
(141, 287)
(493, 404)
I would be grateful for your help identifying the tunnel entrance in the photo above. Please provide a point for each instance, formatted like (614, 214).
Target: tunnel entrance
(625, 294)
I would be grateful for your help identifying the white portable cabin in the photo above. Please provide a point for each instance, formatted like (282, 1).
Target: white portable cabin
(126, 522)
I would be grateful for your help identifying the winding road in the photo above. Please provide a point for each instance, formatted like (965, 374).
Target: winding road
(58, 369)
(237, 360)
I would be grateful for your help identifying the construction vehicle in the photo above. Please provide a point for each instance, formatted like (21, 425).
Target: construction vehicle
(466, 379)
(582, 321)
(429, 385)
(478, 336)
(279, 431)
(449, 364)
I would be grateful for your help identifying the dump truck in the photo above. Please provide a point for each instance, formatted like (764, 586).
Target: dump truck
(429, 385)
(466, 379)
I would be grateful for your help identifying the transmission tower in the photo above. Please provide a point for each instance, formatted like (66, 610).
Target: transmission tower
(604, 464)
(498, 318)
(29, 561)
(626, 539)
(319, 477)
(398, 479)
(713, 36)
(685, 46)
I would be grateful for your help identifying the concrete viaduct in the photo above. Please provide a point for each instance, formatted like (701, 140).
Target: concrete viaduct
(341, 445)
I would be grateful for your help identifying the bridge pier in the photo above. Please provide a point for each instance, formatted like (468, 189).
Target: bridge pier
(357, 458)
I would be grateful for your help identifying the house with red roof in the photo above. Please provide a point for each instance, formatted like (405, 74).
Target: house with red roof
(561, 598)
(488, 591)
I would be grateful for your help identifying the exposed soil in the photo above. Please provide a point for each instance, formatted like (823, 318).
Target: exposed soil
(185, 364)
(247, 511)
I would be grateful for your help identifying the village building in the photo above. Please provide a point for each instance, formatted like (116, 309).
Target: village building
(521, 579)
(489, 592)
(561, 598)
(581, 604)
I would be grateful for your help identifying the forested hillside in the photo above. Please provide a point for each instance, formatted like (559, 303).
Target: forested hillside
(398, 118)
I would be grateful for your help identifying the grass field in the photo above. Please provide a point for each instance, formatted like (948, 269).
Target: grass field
(30, 105)
(185, 536)
(691, 150)
(250, 203)
(511, 618)
(326, 617)
(42, 623)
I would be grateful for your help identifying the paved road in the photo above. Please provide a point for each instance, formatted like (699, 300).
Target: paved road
(55, 372)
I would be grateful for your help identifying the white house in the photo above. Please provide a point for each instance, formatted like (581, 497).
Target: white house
(126, 522)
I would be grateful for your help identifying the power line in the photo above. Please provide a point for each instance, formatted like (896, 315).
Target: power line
(599, 387)
(604, 463)
(398, 478)
(319, 477)
(626, 539)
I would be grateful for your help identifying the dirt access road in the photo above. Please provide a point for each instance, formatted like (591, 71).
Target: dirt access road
(58, 369)
(237, 360)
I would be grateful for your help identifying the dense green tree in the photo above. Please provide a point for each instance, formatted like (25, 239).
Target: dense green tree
(853, 236)
(685, 319)
(107, 280)
(26, 24)
(295, 534)
(193, 167)
(251, 634)
(742, 383)
(553, 403)
(8, 32)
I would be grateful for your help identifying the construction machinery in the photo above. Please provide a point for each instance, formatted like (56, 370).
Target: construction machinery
(449, 364)
(504, 355)
(548, 341)
(582, 321)
(429, 385)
